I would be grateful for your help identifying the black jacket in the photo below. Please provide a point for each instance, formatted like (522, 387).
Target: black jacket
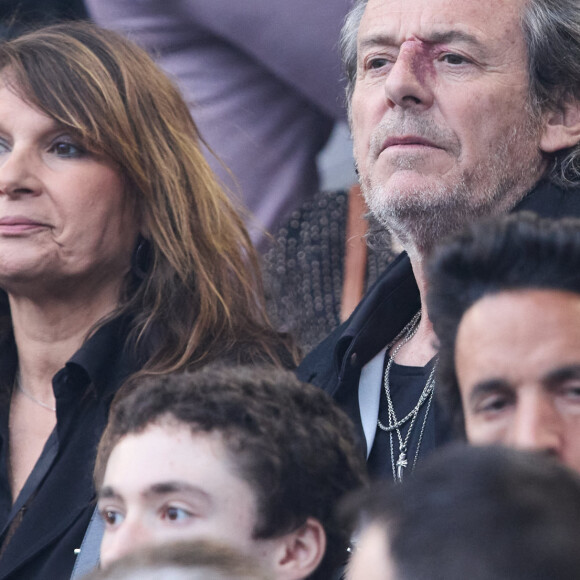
(336, 363)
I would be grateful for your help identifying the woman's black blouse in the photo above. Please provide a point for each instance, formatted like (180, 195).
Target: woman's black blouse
(40, 531)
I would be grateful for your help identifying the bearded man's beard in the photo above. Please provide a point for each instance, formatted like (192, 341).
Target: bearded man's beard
(421, 217)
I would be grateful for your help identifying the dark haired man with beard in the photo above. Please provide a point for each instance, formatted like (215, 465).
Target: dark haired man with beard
(459, 110)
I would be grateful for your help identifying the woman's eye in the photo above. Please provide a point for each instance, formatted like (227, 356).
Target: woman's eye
(176, 514)
(66, 150)
(111, 517)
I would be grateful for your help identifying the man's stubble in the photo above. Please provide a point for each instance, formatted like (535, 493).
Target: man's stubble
(420, 217)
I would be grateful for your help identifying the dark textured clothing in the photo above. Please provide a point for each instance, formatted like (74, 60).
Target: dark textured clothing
(304, 270)
(336, 364)
(57, 501)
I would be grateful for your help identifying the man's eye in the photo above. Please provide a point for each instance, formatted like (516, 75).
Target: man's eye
(492, 405)
(376, 63)
(572, 391)
(111, 517)
(176, 514)
(454, 59)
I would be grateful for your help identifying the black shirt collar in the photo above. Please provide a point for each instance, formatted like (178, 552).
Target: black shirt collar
(91, 359)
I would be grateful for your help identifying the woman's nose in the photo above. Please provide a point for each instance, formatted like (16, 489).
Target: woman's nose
(18, 175)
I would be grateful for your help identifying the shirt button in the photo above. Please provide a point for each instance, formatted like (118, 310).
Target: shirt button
(353, 359)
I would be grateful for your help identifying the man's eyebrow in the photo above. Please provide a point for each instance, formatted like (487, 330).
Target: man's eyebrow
(561, 374)
(433, 38)
(486, 387)
(452, 36)
(377, 40)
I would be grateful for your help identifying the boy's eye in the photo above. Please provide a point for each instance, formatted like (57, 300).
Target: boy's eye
(111, 517)
(176, 514)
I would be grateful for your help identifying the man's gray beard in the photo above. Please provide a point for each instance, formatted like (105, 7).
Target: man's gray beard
(420, 218)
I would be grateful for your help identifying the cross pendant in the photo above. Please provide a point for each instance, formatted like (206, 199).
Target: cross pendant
(401, 464)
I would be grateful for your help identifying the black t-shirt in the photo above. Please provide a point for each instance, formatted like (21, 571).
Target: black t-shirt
(406, 385)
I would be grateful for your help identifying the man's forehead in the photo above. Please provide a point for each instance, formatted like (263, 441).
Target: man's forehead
(432, 19)
(525, 333)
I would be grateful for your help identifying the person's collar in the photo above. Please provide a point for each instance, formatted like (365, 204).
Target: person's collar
(550, 200)
(94, 358)
(386, 308)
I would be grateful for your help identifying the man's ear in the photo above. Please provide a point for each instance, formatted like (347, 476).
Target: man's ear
(561, 128)
(301, 551)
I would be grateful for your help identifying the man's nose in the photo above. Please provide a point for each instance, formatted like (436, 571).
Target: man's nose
(131, 535)
(536, 425)
(18, 174)
(408, 83)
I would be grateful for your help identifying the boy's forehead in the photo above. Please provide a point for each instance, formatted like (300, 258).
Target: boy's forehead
(170, 451)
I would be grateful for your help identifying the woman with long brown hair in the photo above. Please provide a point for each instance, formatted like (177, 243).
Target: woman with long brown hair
(120, 256)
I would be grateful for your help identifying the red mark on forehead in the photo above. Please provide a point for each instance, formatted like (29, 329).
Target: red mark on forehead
(412, 41)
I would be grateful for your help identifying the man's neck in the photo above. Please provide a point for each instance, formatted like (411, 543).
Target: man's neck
(421, 348)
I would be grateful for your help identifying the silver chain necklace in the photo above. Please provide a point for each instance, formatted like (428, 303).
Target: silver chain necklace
(395, 425)
(30, 396)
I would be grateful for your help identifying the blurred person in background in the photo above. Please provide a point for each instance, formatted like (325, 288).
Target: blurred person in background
(18, 15)
(197, 560)
(477, 513)
(263, 81)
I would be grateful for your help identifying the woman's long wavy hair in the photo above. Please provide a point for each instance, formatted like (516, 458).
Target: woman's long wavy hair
(197, 293)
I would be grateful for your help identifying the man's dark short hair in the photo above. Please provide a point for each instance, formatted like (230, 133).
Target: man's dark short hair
(287, 439)
(515, 252)
(480, 513)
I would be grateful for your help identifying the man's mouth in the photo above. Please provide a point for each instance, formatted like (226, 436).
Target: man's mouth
(407, 141)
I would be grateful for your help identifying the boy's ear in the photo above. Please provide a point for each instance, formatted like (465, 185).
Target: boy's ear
(561, 128)
(301, 551)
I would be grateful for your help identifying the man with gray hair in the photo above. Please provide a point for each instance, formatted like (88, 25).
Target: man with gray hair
(459, 109)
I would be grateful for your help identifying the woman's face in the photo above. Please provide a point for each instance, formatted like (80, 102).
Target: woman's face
(66, 223)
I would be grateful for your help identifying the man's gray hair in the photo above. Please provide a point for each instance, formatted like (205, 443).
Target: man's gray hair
(552, 33)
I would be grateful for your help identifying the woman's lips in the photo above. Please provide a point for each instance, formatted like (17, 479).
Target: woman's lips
(18, 225)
